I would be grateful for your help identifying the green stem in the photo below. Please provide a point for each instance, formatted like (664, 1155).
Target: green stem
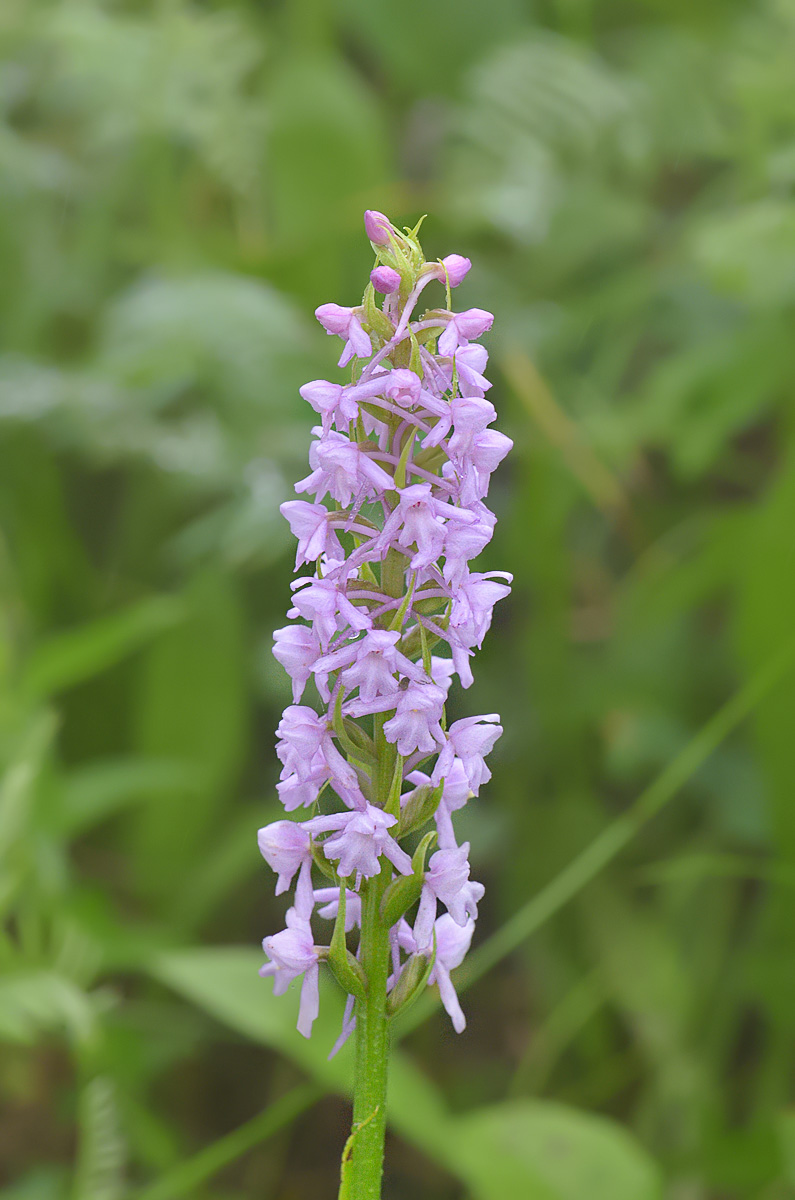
(363, 1158)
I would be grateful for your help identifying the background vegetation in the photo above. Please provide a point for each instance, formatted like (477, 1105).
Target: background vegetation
(181, 183)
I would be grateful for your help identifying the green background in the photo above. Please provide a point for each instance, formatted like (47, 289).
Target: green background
(181, 184)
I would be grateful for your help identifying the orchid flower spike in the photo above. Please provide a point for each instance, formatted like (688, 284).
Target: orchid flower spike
(386, 618)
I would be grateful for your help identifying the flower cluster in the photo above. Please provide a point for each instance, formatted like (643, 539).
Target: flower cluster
(400, 469)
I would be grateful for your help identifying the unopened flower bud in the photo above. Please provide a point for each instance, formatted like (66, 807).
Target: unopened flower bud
(410, 984)
(385, 280)
(377, 227)
(457, 267)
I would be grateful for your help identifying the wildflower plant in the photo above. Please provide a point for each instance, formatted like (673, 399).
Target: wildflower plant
(386, 616)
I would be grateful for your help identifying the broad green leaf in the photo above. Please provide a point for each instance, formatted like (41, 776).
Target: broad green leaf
(565, 1154)
(191, 706)
(66, 659)
(190, 696)
(50, 564)
(225, 983)
(93, 793)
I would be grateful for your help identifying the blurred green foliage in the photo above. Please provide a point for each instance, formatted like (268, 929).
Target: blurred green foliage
(180, 185)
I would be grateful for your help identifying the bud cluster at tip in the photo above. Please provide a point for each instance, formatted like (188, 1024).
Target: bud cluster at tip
(388, 614)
